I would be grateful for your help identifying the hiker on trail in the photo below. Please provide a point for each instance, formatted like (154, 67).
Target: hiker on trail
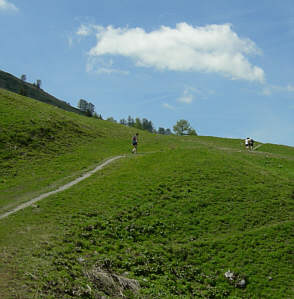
(251, 143)
(247, 143)
(135, 143)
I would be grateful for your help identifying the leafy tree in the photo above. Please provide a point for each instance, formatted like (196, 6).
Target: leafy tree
(138, 124)
(89, 113)
(144, 123)
(182, 127)
(168, 131)
(161, 130)
(39, 83)
(111, 119)
(87, 107)
(191, 131)
(23, 77)
(130, 121)
(147, 125)
(123, 122)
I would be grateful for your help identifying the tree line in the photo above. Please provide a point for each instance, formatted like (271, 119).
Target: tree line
(182, 127)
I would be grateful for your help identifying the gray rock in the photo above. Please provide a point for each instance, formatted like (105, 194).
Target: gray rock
(230, 275)
(111, 283)
(241, 283)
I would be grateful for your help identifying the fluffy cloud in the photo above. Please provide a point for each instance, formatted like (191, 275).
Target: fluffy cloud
(187, 97)
(212, 49)
(84, 30)
(100, 66)
(5, 5)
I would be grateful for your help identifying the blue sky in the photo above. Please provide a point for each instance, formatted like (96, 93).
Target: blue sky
(225, 66)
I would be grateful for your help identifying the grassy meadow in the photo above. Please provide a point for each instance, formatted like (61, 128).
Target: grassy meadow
(175, 217)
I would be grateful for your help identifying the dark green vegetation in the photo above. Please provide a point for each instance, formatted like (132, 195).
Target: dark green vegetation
(11, 83)
(175, 218)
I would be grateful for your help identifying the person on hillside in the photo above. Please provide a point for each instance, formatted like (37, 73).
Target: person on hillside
(135, 143)
(247, 143)
(251, 143)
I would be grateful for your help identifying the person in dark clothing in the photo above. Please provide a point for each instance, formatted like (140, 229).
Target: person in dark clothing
(135, 143)
(251, 143)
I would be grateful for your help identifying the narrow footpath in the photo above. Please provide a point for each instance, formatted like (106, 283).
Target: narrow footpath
(62, 188)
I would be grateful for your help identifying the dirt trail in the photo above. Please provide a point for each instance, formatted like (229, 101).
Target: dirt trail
(62, 188)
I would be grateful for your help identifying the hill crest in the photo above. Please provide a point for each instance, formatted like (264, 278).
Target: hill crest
(14, 84)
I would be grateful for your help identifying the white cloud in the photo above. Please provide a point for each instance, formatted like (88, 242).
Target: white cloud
(212, 49)
(84, 30)
(7, 6)
(270, 89)
(168, 106)
(88, 29)
(110, 71)
(187, 97)
(100, 66)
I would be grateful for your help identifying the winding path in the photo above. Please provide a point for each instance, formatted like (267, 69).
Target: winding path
(62, 188)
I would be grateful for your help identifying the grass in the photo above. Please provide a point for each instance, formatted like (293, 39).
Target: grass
(175, 218)
(43, 146)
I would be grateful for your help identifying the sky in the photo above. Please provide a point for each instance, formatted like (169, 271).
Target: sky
(225, 66)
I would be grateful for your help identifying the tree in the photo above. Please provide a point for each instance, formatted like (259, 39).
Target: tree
(111, 119)
(161, 130)
(123, 122)
(87, 107)
(89, 113)
(191, 131)
(23, 77)
(182, 127)
(138, 123)
(91, 107)
(168, 131)
(39, 83)
(147, 125)
(131, 122)
(83, 105)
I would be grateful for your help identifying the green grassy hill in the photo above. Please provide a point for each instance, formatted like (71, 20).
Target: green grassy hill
(11, 83)
(175, 217)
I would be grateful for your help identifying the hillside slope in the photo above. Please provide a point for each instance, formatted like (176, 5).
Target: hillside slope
(12, 83)
(41, 145)
(175, 217)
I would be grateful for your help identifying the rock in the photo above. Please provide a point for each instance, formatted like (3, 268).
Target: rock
(110, 283)
(241, 283)
(235, 279)
(270, 278)
(230, 275)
